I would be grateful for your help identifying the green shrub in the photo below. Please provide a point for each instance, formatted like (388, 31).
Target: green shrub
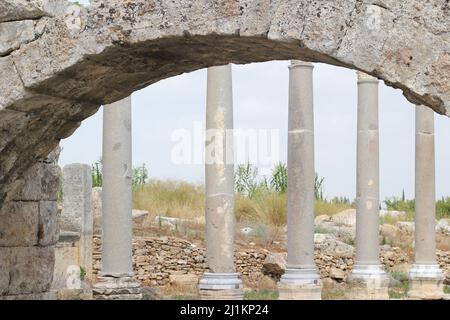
(401, 204)
(264, 294)
(278, 182)
(400, 290)
(245, 179)
(318, 187)
(97, 176)
(443, 208)
(140, 176)
(82, 273)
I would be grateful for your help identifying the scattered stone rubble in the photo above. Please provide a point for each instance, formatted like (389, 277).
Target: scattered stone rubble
(168, 260)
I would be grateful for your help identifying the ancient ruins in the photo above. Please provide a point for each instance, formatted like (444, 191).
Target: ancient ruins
(62, 61)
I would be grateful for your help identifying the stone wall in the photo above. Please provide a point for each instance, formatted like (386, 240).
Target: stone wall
(156, 259)
(28, 233)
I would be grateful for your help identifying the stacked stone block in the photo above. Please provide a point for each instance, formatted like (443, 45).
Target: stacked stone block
(28, 233)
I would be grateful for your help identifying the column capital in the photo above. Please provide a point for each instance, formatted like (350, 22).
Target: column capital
(300, 64)
(364, 77)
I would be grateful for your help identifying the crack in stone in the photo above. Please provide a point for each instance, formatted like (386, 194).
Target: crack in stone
(381, 6)
(27, 18)
(18, 73)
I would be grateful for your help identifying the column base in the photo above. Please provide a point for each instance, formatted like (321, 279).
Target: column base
(426, 282)
(300, 284)
(121, 288)
(73, 294)
(221, 286)
(368, 282)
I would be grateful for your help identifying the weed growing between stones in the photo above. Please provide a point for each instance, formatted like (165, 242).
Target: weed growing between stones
(263, 294)
(400, 289)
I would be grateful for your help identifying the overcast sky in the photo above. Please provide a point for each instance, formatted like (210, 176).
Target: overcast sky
(261, 102)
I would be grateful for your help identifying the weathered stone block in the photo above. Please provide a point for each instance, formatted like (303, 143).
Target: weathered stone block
(77, 189)
(110, 288)
(30, 269)
(66, 255)
(15, 33)
(97, 207)
(48, 223)
(369, 288)
(7, 130)
(12, 88)
(11, 10)
(4, 270)
(300, 291)
(19, 224)
(426, 289)
(41, 182)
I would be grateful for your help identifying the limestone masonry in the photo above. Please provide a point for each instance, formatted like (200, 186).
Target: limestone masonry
(28, 233)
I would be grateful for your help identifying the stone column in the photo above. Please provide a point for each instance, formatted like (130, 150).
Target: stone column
(117, 277)
(222, 281)
(426, 278)
(301, 279)
(74, 248)
(368, 280)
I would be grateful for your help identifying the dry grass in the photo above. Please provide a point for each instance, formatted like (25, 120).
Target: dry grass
(269, 208)
(185, 200)
(170, 198)
(329, 208)
(180, 292)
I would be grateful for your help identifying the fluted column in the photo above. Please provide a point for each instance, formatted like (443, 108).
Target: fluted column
(301, 279)
(425, 275)
(368, 279)
(116, 279)
(222, 281)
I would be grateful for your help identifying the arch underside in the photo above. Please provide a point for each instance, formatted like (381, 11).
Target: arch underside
(67, 60)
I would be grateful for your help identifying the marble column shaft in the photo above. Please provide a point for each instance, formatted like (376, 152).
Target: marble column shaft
(426, 277)
(219, 175)
(301, 171)
(367, 180)
(221, 282)
(301, 281)
(425, 194)
(368, 279)
(117, 233)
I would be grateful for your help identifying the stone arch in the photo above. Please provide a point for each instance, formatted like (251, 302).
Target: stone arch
(66, 60)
